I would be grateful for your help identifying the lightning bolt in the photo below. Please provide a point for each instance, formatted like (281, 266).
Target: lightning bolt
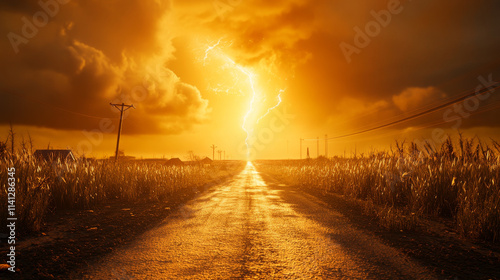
(250, 76)
(209, 49)
(274, 107)
(245, 119)
(229, 63)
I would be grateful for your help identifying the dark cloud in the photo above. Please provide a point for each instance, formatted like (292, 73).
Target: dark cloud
(89, 54)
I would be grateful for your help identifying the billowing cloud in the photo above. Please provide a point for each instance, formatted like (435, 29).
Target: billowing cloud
(88, 54)
(413, 98)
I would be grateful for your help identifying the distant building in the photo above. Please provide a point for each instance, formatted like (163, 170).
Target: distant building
(206, 160)
(54, 155)
(175, 161)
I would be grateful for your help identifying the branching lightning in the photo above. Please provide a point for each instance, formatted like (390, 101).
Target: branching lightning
(274, 107)
(229, 63)
(208, 50)
(245, 119)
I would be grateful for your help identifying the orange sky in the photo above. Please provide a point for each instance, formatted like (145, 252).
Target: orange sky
(207, 72)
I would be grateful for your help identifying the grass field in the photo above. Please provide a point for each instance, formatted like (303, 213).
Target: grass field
(457, 181)
(43, 188)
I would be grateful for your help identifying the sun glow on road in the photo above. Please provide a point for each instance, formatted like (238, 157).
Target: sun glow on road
(257, 180)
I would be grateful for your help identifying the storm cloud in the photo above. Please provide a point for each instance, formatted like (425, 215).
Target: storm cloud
(65, 61)
(438, 47)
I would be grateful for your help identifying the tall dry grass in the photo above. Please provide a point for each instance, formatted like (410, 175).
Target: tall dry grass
(457, 181)
(45, 187)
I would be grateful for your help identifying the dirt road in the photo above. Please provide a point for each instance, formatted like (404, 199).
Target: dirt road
(248, 229)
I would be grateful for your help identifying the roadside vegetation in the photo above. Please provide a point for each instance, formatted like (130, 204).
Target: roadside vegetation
(458, 181)
(44, 187)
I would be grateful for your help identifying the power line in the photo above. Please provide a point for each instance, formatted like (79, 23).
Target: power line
(490, 107)
(428, 111)
(35, 100)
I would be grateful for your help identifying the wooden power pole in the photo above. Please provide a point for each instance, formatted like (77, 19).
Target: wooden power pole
(213, 151)
(317, 147)
(122, 108)
(326, 145)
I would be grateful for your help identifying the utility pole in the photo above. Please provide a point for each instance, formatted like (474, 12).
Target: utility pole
(326, 145)
(224, 155)
(317, 151)
(213, 151)
(220, 154)
(122, 108)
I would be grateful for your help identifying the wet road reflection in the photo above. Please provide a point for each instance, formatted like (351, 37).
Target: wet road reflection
(246, 229)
